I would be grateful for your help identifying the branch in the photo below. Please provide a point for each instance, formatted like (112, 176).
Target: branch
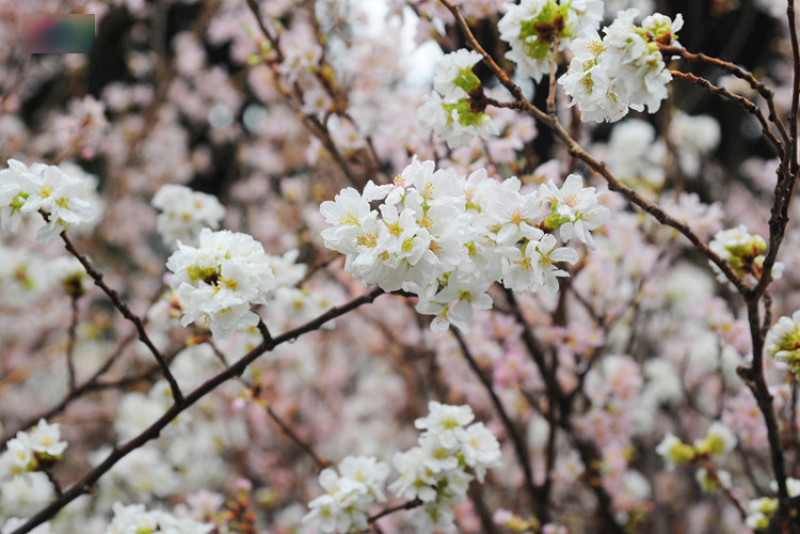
(737, 71)
(745, 103)
(71, 333)
(410, 505)
(128, 314)
(576, 151)
(85, 484)
(520, 447)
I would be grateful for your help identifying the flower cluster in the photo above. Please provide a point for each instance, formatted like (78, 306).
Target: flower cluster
(447, 237)
(783, 341)
(136, 519)
(625, 69)
(743, 252)
(349, 494)
(455, 110)
(762, 509)
(217, 281)
(62, 199)
(29, 451)
(185, 212)
(533, 27)
(435, 471)
(719, 440)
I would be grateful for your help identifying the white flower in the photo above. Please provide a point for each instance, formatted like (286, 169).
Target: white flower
(590, 83)
(624, 70)
(347, 213)
(455, 121)
(535, 267)
(453, 78)
(184, 213)
(26, 495)
(367, 470)
(574, 209)
(515, 213)
(18, 458)
(446, 238)
(12, 196)
(217, 281)
(46, 439)
(719, 440)
(349, 495)
(446, 421)
(543, 257)
(674, 451)
(456, 301)
(439, 457)
(434, 517)
(481, 450)
(532, 27)
(710, 483)
(135, 519)
(416, 480)
(48, 190)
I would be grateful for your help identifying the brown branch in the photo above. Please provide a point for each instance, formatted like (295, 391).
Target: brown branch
(744, 102)
(754, 378)
(322, 463)
(312, 123)
(551, 95)
(576, 151)
(737, 71)
(792, 20)
(87, 482)
(128, 314)
(71, 333)
(713, 472)
(520, 447)
(410, 505)
(91, 385)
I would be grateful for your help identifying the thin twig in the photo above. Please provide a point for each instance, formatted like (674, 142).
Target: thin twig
(551, 95)
(737, 71)
(87, 482)
(713, 472)
(291, 434)
(71, 335)
(91, 385)
(520, 447)
(126, 312)
(410, 505)
(742, 101)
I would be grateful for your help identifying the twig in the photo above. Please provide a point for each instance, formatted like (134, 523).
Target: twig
(262, 328)
(291, 434)
(177, 396)
(91, 385)
(73, 327)
(737, 71)
(744, 102)
(712, 470)
(410, 505)
(85, 484)
(754, 378)
(576, 151)
(520, 447)
(551, 95)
